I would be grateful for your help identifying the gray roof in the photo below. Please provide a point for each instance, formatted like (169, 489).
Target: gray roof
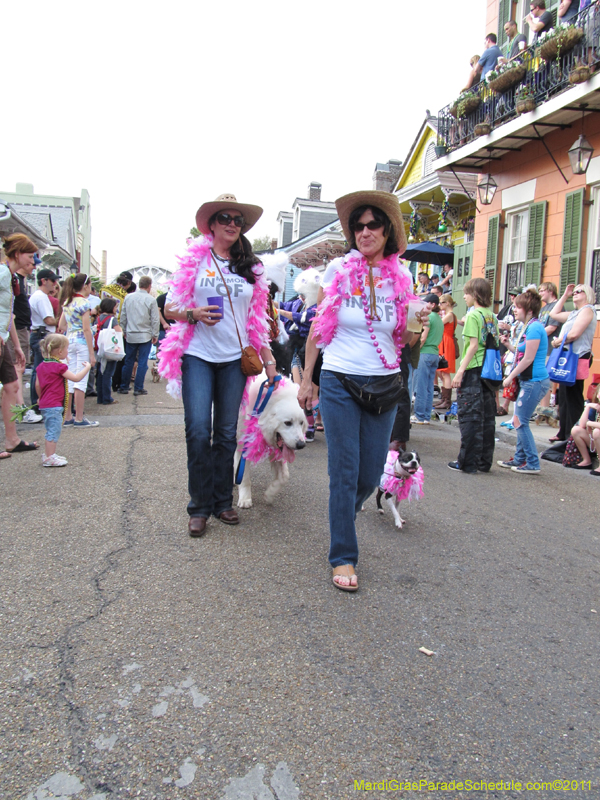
(61, 218)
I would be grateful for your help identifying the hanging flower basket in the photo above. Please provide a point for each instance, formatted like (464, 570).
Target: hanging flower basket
(560, 41)
(453, 110)
(482, 129)
(468, 104)
(579, 74)
(508, 78)
(525, 104)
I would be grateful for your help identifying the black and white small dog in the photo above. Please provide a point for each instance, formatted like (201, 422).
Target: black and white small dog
(402, 479)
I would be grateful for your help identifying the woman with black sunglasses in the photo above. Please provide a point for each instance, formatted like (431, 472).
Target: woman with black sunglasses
(218, 298)
(361, 327)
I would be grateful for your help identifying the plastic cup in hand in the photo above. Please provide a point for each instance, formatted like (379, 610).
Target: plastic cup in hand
(413, 323)
(215, 301)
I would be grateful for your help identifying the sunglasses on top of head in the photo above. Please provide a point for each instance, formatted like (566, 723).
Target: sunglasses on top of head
(225, 219)
(373, 225)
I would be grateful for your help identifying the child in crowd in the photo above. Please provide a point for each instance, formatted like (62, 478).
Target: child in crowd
(52, 388)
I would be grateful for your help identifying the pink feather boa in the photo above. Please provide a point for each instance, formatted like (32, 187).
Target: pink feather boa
(349, 278)
(408, 488)
(255, 447)
(180, 334)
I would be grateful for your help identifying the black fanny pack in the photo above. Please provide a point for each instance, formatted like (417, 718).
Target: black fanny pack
(379, 396)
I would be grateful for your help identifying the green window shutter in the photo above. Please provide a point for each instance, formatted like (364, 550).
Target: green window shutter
(504, 13)
(491, 258)
(571, 253)
(535, 243)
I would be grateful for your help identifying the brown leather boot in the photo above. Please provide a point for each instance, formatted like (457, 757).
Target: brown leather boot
(446, 400)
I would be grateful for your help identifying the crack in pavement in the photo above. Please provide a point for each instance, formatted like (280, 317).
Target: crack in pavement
(66, 645)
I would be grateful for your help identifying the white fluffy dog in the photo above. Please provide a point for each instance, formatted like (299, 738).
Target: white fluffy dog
(275, 434)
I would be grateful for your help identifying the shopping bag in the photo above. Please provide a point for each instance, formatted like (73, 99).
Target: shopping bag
(562, 365)
(110, 344)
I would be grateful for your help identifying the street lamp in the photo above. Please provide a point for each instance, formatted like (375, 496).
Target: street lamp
(487, 189)
(580, 154)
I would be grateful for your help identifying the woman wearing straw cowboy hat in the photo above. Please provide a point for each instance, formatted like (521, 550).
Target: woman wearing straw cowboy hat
(360, 325)
(218, 297)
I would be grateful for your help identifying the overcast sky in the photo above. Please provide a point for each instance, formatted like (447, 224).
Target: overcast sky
(155, 109)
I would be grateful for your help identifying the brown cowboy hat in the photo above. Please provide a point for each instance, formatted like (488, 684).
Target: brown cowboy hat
(224, 202)
(388, 203)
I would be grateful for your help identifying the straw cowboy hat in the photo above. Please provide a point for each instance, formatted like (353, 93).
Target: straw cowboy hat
(225, 202)
(388, 203)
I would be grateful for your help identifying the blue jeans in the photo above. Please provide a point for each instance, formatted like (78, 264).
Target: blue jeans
(211, 394)
(529, 396)
(104, 381)
(357, 445)
(53, 422)
(428, 364)
(140, 350)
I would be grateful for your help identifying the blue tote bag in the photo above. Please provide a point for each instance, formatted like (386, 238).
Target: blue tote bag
(562, 365)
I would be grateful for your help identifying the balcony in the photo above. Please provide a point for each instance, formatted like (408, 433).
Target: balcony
(540, 78)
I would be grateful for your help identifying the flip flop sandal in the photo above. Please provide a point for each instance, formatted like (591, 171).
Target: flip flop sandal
(23, 446)
(4, 455)
(345, 588)
(319, 427)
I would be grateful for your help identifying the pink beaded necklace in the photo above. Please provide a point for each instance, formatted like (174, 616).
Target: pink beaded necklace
(370, 310)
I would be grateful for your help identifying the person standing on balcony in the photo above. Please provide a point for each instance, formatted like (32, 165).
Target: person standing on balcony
(568, 10)
(539, 20)
(516, 41)
(487, 62)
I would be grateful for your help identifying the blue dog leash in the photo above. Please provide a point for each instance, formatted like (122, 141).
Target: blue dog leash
(259, 407)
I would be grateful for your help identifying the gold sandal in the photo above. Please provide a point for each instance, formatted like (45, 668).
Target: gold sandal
(344, 575)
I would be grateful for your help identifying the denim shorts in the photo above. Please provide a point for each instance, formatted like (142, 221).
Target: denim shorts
(53, 421)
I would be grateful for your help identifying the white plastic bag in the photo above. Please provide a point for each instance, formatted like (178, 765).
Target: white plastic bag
(110, 344)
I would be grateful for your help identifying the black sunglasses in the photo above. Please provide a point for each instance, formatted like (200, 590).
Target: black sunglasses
(225, 219)
(373, 225)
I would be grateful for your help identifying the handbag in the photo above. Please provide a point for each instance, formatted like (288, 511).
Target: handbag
(251, 363)
(381, 395)
(583, 368)
(562, 365)
(110, 343)
(443, 362)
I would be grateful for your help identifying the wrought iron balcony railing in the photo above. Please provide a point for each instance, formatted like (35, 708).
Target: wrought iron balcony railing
(543, 79)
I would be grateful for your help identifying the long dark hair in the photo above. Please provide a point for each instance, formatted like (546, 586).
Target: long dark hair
(391, 245)
(241, 257)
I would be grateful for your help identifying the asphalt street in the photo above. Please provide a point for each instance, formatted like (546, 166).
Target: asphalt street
(137, 662)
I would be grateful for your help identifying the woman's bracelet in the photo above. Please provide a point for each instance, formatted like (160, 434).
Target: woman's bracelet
(190, 316)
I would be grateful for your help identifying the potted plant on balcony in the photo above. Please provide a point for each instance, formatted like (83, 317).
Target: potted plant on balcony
(558, 41)
(524, 99)
(440, 148)
(504, 76)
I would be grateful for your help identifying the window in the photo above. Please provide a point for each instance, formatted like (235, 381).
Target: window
(428, 159)
(518, 229)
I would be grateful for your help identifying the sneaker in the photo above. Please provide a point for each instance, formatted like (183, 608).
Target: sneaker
(32, 417)
(68, 422)
(310, 435)
(455, 466)
(123, 391)
(417, 421)
(525, 469)
(85, 423)
(54, 461)
(139, 391)
(508, 464)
